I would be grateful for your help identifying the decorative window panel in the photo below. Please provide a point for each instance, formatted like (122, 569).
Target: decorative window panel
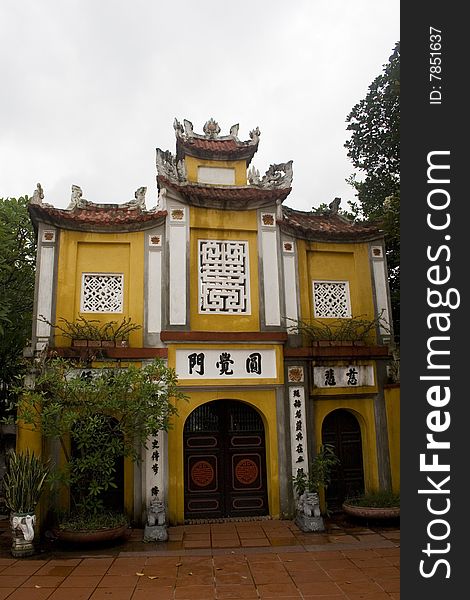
(331, 299)
(102, 293)
(223, 277)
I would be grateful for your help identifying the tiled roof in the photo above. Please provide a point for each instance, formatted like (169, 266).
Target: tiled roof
(216, 149)
(97, 217)
(199, 195)
(313, 226)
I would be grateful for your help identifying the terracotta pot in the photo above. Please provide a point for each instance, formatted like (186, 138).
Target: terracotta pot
(92, 536)
(369, 512)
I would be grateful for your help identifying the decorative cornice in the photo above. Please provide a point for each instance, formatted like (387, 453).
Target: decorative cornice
(331, 226)
(99, 218)
(339, 352)
(221, 337)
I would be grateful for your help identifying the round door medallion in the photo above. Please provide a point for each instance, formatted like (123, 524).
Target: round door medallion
(202, 473)
(246, 471)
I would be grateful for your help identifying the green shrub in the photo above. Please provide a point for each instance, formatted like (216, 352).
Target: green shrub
(82, 521)
(24, 481)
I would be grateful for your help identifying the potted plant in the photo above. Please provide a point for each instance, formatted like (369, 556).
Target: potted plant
(97, 416)
(23, 485)
(308, 487)
(355, 331)
(95, 334)
(373, 505)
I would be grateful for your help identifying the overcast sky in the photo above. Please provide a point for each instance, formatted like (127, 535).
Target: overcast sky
(89, 88)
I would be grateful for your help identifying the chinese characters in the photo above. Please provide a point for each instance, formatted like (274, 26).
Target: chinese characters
(197, 362)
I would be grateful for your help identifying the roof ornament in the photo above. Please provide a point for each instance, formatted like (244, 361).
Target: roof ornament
(254, 135)
(169, 167)
(211, 129)
(334, 206)
(140, 197)
(253, 176)
(277, 176)
(178, 127)
(38, 195)
(234, 131)
(76, 200)
(188, 128)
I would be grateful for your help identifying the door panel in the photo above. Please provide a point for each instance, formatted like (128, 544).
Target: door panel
(342, 430)
(225, 464)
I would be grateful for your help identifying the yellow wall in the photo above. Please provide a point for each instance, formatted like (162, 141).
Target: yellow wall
(224, 225)
(28, 438)
(101, 253)
(392, 405)
(265, 402)
(238, 165)
(335, 262)
(363, 410)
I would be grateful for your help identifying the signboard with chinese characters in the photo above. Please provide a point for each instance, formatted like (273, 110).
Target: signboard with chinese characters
(225, 364)
(330, 376)
(298, 433)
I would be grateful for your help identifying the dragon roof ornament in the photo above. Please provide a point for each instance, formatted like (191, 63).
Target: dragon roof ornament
(277, 176)
(212, 131)
(171, 168)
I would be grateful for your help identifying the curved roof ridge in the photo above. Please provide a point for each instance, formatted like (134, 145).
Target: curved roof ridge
(332, 226)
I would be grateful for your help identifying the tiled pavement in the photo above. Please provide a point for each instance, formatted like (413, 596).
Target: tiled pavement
(243, 560)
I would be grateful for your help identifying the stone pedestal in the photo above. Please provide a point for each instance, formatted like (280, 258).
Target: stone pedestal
(155, 533)
(306, 523)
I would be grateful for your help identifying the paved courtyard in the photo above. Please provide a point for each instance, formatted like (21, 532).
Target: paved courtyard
(241, 560)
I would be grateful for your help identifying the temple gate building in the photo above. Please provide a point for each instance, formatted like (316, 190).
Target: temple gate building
(219, 275)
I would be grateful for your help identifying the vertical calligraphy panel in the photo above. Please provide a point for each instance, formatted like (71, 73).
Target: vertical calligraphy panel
(299, 453)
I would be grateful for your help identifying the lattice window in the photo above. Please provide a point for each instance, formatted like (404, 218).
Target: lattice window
(223, 277)
(102, 293)
(331, 299)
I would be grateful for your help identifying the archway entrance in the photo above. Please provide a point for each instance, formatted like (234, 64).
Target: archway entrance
(224, 462)
(342, 430)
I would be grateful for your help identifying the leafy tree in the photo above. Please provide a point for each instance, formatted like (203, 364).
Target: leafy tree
(374, 149)
(17, 272)
(97, 417)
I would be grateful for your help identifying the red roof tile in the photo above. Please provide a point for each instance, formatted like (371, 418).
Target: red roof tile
(312, 226)
(198, 194)
(216, 149)
(97, 217)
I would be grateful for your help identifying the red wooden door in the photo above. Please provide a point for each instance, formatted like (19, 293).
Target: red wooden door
(225, 463)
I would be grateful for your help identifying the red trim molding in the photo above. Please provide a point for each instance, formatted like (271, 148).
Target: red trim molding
(113, 353)
(221, 337)
(337, 352)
